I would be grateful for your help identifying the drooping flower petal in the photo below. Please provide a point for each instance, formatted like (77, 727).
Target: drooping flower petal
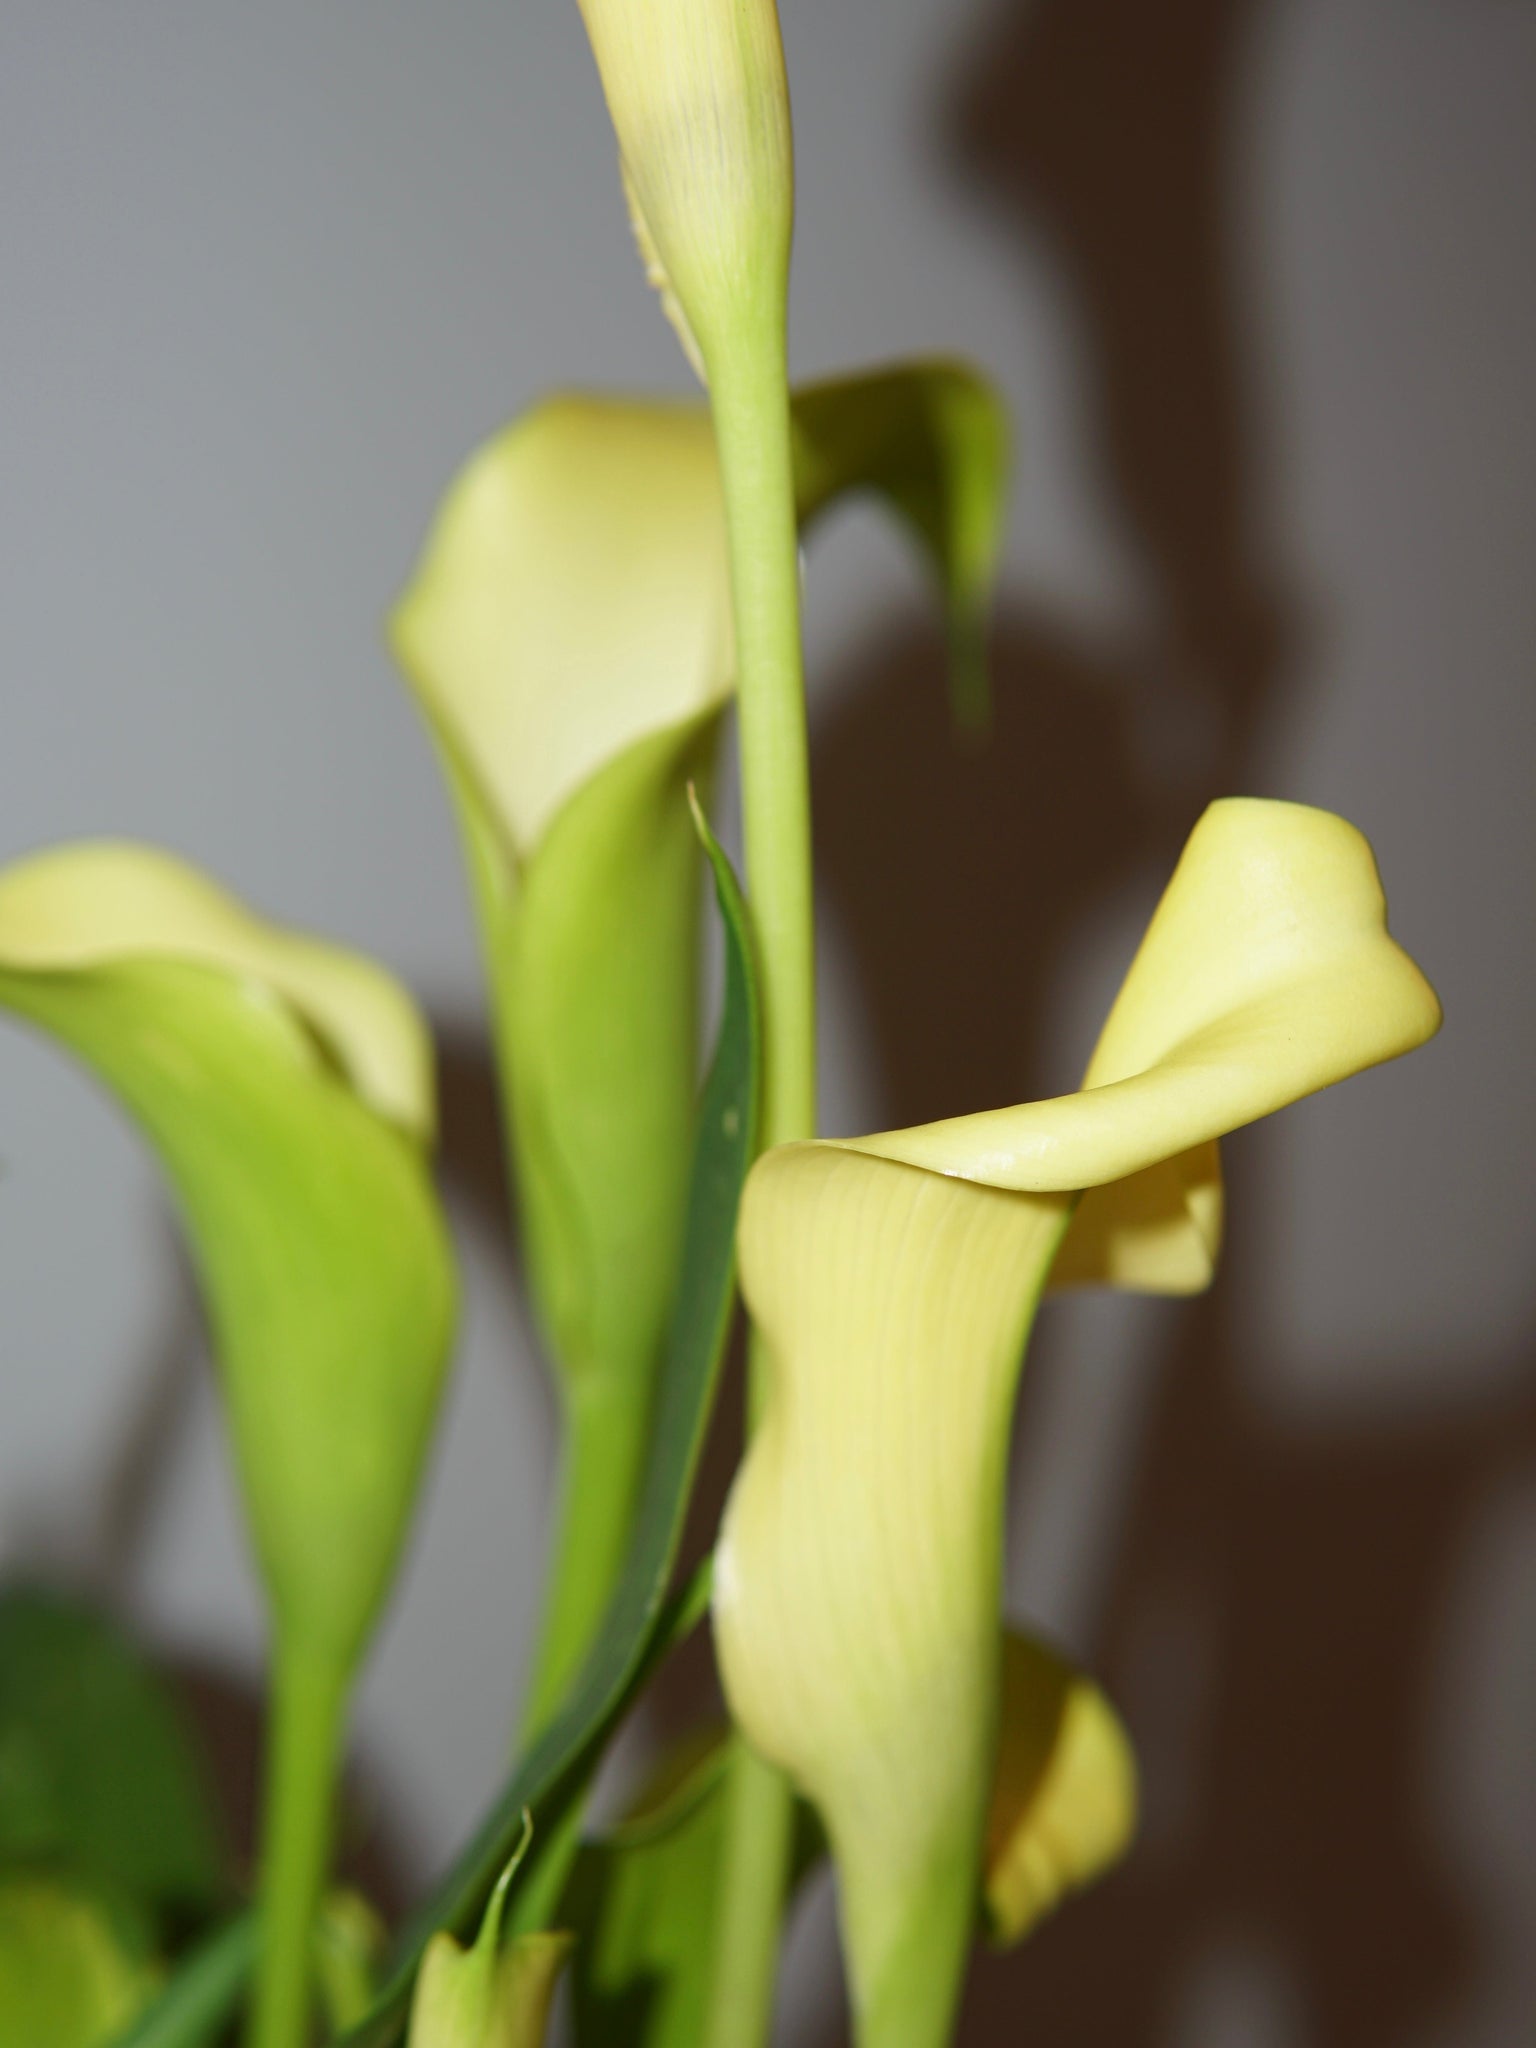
(931, 438)
(1063, 1803)
(286, 1088)
(892, 1280)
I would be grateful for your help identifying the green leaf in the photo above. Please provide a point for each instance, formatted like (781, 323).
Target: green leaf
(553, 1776)
(931, 438)
(285, 1087)
(69, 1975)
(642, 1903)
(194, 2007)
(97, 1772)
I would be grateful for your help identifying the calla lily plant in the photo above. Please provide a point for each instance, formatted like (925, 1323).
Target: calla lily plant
(609, 580)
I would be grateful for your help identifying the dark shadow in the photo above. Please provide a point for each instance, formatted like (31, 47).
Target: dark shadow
(1275, 1616)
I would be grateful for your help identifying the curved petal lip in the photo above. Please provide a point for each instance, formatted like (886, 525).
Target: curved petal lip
(572, 599)
(102, 903)
(1267, 973)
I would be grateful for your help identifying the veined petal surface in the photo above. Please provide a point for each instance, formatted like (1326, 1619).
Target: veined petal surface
(892, 1280)
(857, 1577)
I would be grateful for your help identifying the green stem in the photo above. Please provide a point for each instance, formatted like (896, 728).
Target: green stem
(749, 394)
(915, 1996)
(304, 1744)
(605, 1450)
(750, 399)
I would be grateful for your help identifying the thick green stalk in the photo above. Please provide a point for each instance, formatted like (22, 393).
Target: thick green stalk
(914, 2004)
(303, 1751)
(749, 394)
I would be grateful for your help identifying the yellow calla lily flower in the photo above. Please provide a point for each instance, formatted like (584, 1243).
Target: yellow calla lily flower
(893, 1280)
(700, 106)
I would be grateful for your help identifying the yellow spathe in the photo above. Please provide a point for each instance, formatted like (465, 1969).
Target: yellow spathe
(892, 1280)
(1266, 974)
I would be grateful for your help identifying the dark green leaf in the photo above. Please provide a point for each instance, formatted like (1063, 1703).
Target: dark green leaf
(97, 1773)
(202, 1996)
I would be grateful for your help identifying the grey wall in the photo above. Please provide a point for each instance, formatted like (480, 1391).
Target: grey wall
(1258, 281)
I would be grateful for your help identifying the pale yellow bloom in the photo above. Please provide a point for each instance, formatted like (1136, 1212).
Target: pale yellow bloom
(893, 1280)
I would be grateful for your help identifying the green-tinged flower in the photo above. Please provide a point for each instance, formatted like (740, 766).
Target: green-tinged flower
(700, 106)
(494, 1995)
(893, 1280)
(568, 636)
(286, 1088)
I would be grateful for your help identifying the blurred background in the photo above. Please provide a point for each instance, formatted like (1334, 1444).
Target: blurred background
(1258, 279)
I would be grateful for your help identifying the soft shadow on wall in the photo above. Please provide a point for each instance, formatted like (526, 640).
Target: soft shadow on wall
(1310, 1564)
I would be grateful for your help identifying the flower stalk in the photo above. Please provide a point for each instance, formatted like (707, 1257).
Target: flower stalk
(749, 393)
(306, 1723)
